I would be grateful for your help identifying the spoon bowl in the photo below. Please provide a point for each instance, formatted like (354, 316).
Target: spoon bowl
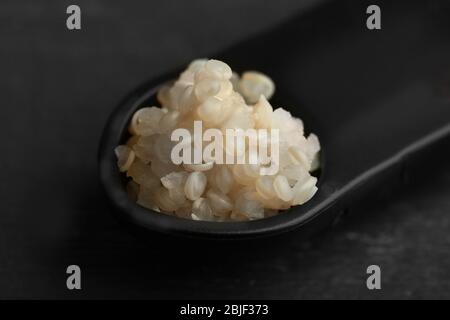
(113, 181)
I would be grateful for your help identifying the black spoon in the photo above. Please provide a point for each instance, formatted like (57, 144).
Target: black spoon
(378, 100)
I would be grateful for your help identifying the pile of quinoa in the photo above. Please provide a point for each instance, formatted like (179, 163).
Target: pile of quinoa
(208, 90)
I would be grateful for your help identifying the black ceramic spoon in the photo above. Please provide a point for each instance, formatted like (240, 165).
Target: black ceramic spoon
(378, 100)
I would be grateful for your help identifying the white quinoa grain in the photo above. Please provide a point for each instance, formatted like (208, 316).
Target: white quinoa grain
(145, 121)
(282, 188)
(254, 84)
(224, 179)
(201, 210)
(125, 157)
(195, 185)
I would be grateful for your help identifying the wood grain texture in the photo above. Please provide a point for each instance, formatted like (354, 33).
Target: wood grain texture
(57, 89)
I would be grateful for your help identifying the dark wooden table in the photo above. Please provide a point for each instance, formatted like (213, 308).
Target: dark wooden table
(58, 87)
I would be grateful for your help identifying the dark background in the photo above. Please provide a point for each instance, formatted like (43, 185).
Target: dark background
(58, 88)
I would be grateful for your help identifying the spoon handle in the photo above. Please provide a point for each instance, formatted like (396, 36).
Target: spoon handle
(376, 99)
